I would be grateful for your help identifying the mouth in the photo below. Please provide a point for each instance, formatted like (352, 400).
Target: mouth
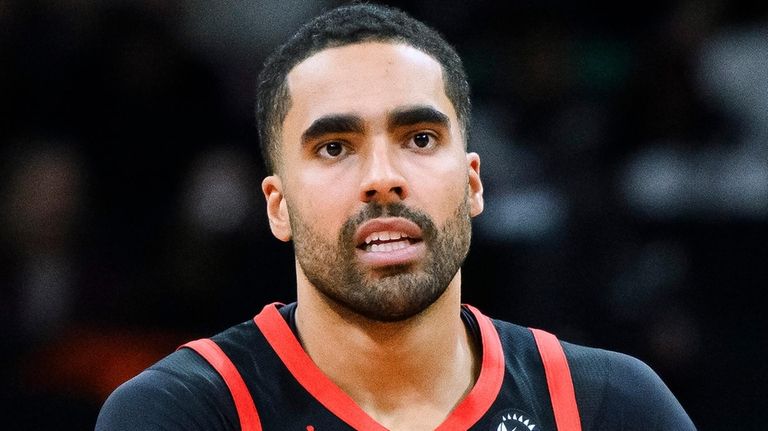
(389, 241)
(386, 241)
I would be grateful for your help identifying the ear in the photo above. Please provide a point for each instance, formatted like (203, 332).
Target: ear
(277, 208)
(475, 184)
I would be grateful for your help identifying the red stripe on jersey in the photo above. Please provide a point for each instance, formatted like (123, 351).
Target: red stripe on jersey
(559, 381)
(284, 343)
(488, 384)
(246, 410)
(468, 412)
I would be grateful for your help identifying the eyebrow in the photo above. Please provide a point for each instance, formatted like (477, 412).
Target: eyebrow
(335, 123)
(350, 123)
(411, 115)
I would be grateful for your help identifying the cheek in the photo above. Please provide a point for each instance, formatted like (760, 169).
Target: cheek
(439, 186)
(321, 201)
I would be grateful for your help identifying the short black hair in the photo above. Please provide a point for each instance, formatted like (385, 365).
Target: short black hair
(347, 25)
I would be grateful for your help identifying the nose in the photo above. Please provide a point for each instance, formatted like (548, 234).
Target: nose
(382, 180)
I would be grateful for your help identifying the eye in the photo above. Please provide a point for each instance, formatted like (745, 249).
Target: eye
(331, 150)
(422, 140)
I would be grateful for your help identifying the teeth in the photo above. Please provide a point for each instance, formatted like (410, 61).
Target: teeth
(384, 236)
(390, 246)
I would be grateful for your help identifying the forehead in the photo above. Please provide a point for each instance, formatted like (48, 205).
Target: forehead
(368, 79)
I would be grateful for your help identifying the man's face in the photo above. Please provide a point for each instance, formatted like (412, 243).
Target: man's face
(375, 187)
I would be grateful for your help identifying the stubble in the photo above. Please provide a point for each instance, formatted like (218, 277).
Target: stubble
(392, 293)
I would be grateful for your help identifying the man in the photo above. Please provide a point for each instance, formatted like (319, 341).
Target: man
(363, 117)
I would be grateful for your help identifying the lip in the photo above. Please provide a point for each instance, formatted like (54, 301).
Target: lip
(402, 256)
(396, 224)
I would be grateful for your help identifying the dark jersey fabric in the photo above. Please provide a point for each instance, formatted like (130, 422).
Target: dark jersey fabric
(183, 392)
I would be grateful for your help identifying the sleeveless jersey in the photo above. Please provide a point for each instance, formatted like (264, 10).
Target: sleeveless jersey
(259, 377)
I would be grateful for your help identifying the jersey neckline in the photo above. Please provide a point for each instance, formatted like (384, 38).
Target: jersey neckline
(469, 410)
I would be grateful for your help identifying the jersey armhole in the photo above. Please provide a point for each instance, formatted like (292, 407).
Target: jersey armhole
(246, 409)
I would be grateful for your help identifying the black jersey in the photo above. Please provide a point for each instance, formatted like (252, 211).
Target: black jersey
(184, 392)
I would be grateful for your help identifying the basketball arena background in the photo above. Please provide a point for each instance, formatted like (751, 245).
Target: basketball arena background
(624, 152)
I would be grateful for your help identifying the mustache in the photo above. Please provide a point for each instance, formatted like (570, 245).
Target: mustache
(375, 210)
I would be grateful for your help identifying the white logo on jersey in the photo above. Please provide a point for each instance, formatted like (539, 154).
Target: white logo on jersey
(515, 422)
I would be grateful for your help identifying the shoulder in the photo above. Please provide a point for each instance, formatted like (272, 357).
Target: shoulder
(613, 390)
(181, 391)
(619, 391)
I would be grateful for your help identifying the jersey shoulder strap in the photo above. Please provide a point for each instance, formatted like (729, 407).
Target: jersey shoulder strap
(246, 409)
(559, 381)
(556, 370)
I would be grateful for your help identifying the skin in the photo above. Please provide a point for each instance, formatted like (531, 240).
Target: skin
(383, 369)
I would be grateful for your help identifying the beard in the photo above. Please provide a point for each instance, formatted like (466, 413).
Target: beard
(393, 293)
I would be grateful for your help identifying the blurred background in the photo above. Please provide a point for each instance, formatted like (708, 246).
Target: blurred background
(625, 161)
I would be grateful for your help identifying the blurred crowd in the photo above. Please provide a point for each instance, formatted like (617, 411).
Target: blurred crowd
(624, 152)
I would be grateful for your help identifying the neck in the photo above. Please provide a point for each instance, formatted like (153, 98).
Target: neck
(426, 363)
